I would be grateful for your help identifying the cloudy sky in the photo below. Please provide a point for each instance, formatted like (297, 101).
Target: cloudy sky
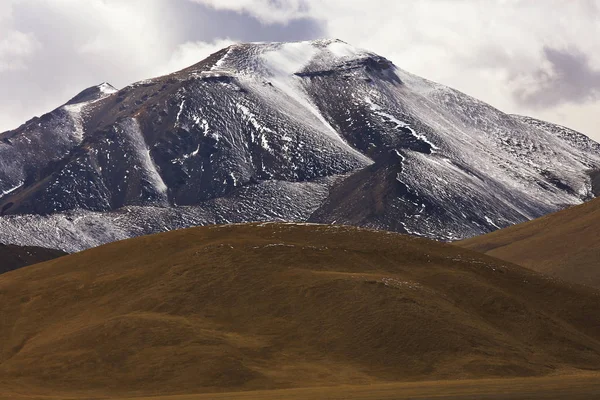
(540, 58)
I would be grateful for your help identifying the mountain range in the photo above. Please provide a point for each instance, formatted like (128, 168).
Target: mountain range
(310, 131)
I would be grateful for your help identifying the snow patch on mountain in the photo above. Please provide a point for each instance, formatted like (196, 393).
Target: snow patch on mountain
(141, 152)
(75, 111)
(378, 110)
(286, 59)
(12, 189)
(107, 88)
(341, 49)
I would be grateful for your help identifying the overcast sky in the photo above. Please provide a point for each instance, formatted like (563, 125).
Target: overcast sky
(539, 58)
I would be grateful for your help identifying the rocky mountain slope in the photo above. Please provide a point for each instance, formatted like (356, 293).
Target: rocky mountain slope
(317, 131)
(13, 257)
(264, 306)
(565, 244)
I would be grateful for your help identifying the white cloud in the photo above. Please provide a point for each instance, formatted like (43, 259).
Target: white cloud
(16, 48)
(490, 49)
(75, 44)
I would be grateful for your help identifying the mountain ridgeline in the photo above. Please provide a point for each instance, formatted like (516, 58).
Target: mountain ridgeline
(311, 131)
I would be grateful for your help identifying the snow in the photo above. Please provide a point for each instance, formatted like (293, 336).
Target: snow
(234, 179)
(179, 112)
(491, 222)
(142, 82)
(279, 64)
(282, 63)
(184, 157)
(341, 49)
(261, 129)
(288, 58)
(141, 151)
(107, 88)
(222, 60)
(75, 111)
(399, 124)
(14, 188)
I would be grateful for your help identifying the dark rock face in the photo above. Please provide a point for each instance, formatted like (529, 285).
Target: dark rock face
(397, 151)
(14, 257)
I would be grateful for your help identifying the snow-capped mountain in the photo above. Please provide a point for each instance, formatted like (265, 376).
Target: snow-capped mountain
(312, 131)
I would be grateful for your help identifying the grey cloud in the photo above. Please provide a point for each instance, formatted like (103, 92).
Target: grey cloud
(200, 22)
(571, 79)
(486, 49)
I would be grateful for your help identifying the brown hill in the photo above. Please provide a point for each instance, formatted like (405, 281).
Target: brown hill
(565, 244)
(249, 307)
(13, 257)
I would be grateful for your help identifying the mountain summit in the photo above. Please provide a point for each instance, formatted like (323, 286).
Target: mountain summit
(93, 93)
(312, 131)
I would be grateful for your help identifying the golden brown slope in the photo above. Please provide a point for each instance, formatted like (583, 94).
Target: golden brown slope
(565, 244)
(554, 387)
(278, 305)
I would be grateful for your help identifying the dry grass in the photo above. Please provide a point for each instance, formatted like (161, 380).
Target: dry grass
(564, 244)
(571, 387)
(272, 306)
(581, 386)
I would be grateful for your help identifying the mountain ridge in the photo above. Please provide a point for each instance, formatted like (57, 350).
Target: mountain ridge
(275, 119)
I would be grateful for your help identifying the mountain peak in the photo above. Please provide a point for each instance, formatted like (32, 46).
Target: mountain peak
(272, 60)
(93, 93)
(316, 131)
(107, 88)
(292, 57)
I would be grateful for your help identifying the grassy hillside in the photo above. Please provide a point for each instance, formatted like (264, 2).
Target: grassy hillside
(565, 244)
(268, 306)
(13, 257)
(556, 387)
